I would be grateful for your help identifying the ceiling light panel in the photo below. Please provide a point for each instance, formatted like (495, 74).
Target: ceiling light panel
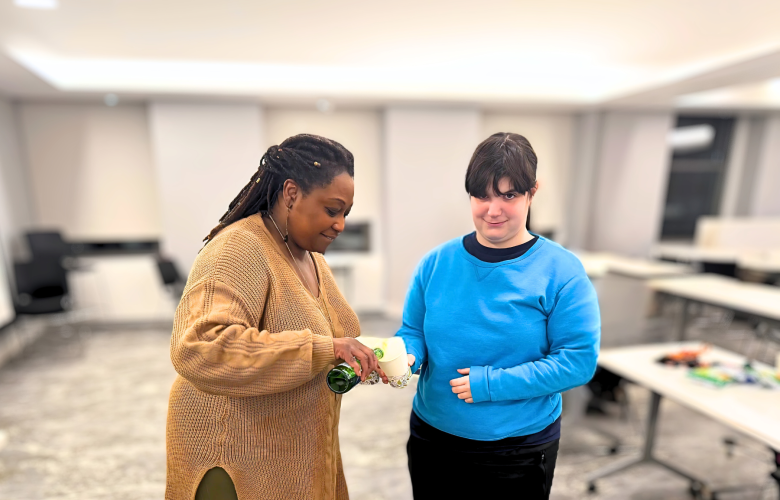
(37, 4)
(546, 80)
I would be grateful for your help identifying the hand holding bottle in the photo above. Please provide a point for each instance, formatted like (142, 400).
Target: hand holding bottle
(351, 351)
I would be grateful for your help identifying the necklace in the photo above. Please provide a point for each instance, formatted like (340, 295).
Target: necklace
(319, 285)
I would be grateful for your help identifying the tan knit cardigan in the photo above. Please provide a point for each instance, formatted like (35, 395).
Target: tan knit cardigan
(252, 351)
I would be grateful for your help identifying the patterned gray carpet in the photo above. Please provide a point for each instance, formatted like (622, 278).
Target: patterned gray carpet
(82, 416)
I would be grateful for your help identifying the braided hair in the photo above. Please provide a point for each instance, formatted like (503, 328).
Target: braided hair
(309, 160)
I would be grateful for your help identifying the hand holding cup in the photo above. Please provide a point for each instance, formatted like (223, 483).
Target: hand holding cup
(351, 351)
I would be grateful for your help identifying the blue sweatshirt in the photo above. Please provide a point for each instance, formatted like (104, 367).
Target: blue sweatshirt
(528, 328)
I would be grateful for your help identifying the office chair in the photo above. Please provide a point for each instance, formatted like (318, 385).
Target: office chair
(42, 287)
(171, 277)
(607, 388)
(48, 245)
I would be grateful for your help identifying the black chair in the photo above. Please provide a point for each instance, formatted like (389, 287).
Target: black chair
(171, 277)
(168, 272)
(607, 388)
(42, 287)
(48, 245)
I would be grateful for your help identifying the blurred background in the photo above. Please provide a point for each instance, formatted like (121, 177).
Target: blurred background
(126, 128)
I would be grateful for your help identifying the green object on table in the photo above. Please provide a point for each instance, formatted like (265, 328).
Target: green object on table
(712, 375)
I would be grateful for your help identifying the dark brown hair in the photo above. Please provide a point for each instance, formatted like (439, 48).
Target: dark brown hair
(501, 155)
(309, 160)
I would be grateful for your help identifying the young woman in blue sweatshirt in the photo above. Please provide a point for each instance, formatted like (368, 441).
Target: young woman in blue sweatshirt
(499, 322)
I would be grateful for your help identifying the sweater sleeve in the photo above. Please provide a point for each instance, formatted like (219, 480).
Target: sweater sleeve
(216, 347)
(573, 330)
(413, 318)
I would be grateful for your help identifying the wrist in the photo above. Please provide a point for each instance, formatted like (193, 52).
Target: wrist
(323, 352)
(479, 383)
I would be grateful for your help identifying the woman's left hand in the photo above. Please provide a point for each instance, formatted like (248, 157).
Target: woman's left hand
(461, 386)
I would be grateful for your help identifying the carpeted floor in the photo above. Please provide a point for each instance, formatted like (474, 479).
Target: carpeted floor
(82, 416)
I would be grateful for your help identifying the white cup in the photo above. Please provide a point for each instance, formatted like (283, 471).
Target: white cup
(394, 361)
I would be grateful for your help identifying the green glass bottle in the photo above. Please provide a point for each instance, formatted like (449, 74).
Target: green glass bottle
(343, 378)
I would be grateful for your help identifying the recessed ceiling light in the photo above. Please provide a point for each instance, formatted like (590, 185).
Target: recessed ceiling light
(37, 4)
(324, 105)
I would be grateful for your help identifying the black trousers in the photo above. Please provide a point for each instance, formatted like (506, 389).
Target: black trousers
(440, 472)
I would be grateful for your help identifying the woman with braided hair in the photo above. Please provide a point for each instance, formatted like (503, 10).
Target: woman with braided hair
(260, 323)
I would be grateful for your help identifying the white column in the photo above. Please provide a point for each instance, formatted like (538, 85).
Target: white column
(765, 200)
(580, 185)
(735, 168)
(15, 208)
(631, 182)
(426, 155)
(204, 154)
(16, 211)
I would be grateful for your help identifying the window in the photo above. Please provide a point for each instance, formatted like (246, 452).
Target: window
(700, 149)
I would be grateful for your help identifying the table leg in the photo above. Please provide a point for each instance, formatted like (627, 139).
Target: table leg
(682, 321)
(647, 452)
(652, 425)
(647, 449)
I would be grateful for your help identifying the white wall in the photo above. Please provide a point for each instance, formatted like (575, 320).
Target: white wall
(91, 170)
(746, 167)
(631, 182)
(361, 133)
(551, 136)
(204, 154)
(426, 155)
(736, 171)
(765, 200)
(16, 214)
(582, 180)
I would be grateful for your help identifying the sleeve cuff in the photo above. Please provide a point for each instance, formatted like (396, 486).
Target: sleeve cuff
(321, 352)
(478, 381)
(417, 361)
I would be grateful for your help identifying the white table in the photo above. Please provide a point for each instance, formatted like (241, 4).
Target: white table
(754, 259)
(121, 289)
(767, 261)
(598, 264)
(624, 297)
(749, 409)
(762, 302)
(688, 252)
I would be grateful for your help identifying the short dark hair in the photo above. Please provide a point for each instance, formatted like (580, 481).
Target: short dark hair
(501, 155)
(309, 160)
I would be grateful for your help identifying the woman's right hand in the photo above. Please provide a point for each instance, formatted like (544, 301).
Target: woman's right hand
(350, 350)
(411, 359)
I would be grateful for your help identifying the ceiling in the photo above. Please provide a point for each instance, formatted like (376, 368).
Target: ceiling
(492, 52)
